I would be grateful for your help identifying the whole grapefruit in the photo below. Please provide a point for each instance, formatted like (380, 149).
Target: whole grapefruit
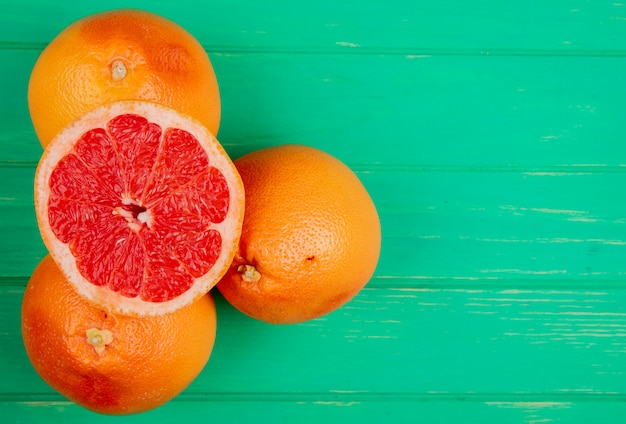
(107, 362)
(123, 54)
(311, 236)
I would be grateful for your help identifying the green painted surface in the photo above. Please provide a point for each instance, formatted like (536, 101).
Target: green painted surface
(490, 135)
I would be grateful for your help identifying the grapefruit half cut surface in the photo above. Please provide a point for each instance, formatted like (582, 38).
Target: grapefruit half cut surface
(140, 206)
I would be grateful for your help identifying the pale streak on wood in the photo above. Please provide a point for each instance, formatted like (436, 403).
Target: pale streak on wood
(535, 300)
(551, 292)
(562, 336)
(580, 324)
(553, 240)
(531, 405)
(581, 329)
(533, 409)
(523, 271)
(347, 44)
(576, 313)
(428, 277)
(336, 403)
(570, 214)
(551, 173)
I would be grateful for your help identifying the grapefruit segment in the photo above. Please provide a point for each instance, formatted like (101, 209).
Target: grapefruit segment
(140, 206)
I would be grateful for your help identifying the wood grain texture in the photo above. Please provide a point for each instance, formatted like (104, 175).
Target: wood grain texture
(490, 136)
(407, 342)
(350, 26)
(528, 113)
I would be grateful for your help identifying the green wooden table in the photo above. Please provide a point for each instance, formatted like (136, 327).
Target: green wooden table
(491, 136)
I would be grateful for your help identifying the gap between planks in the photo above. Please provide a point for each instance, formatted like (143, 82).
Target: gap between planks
(341, 396)
(342, 48)
(426, 283)
(370, 168)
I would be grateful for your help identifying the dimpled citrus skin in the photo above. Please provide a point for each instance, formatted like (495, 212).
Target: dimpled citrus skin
(310, 231)
(147, 362)
(79, 70)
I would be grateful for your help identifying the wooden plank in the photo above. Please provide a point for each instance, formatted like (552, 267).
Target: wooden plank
(398, 344)
(17, 138)
(310, 409)
(449, 26)
(460, 111)
(21, 245)
(525, 113)
(498, 227)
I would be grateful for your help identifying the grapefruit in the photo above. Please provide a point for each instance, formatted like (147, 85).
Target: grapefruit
(110, 363)
(140, 206)
(116, 55)
(310, 240)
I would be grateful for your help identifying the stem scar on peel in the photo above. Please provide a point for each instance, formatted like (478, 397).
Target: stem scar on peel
(118, 70)
(249, 273)
(99, 339)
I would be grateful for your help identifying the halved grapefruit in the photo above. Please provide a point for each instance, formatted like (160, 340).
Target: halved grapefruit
(140, 206)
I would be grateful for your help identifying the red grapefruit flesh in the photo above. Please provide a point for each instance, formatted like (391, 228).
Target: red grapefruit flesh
(140, 206)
